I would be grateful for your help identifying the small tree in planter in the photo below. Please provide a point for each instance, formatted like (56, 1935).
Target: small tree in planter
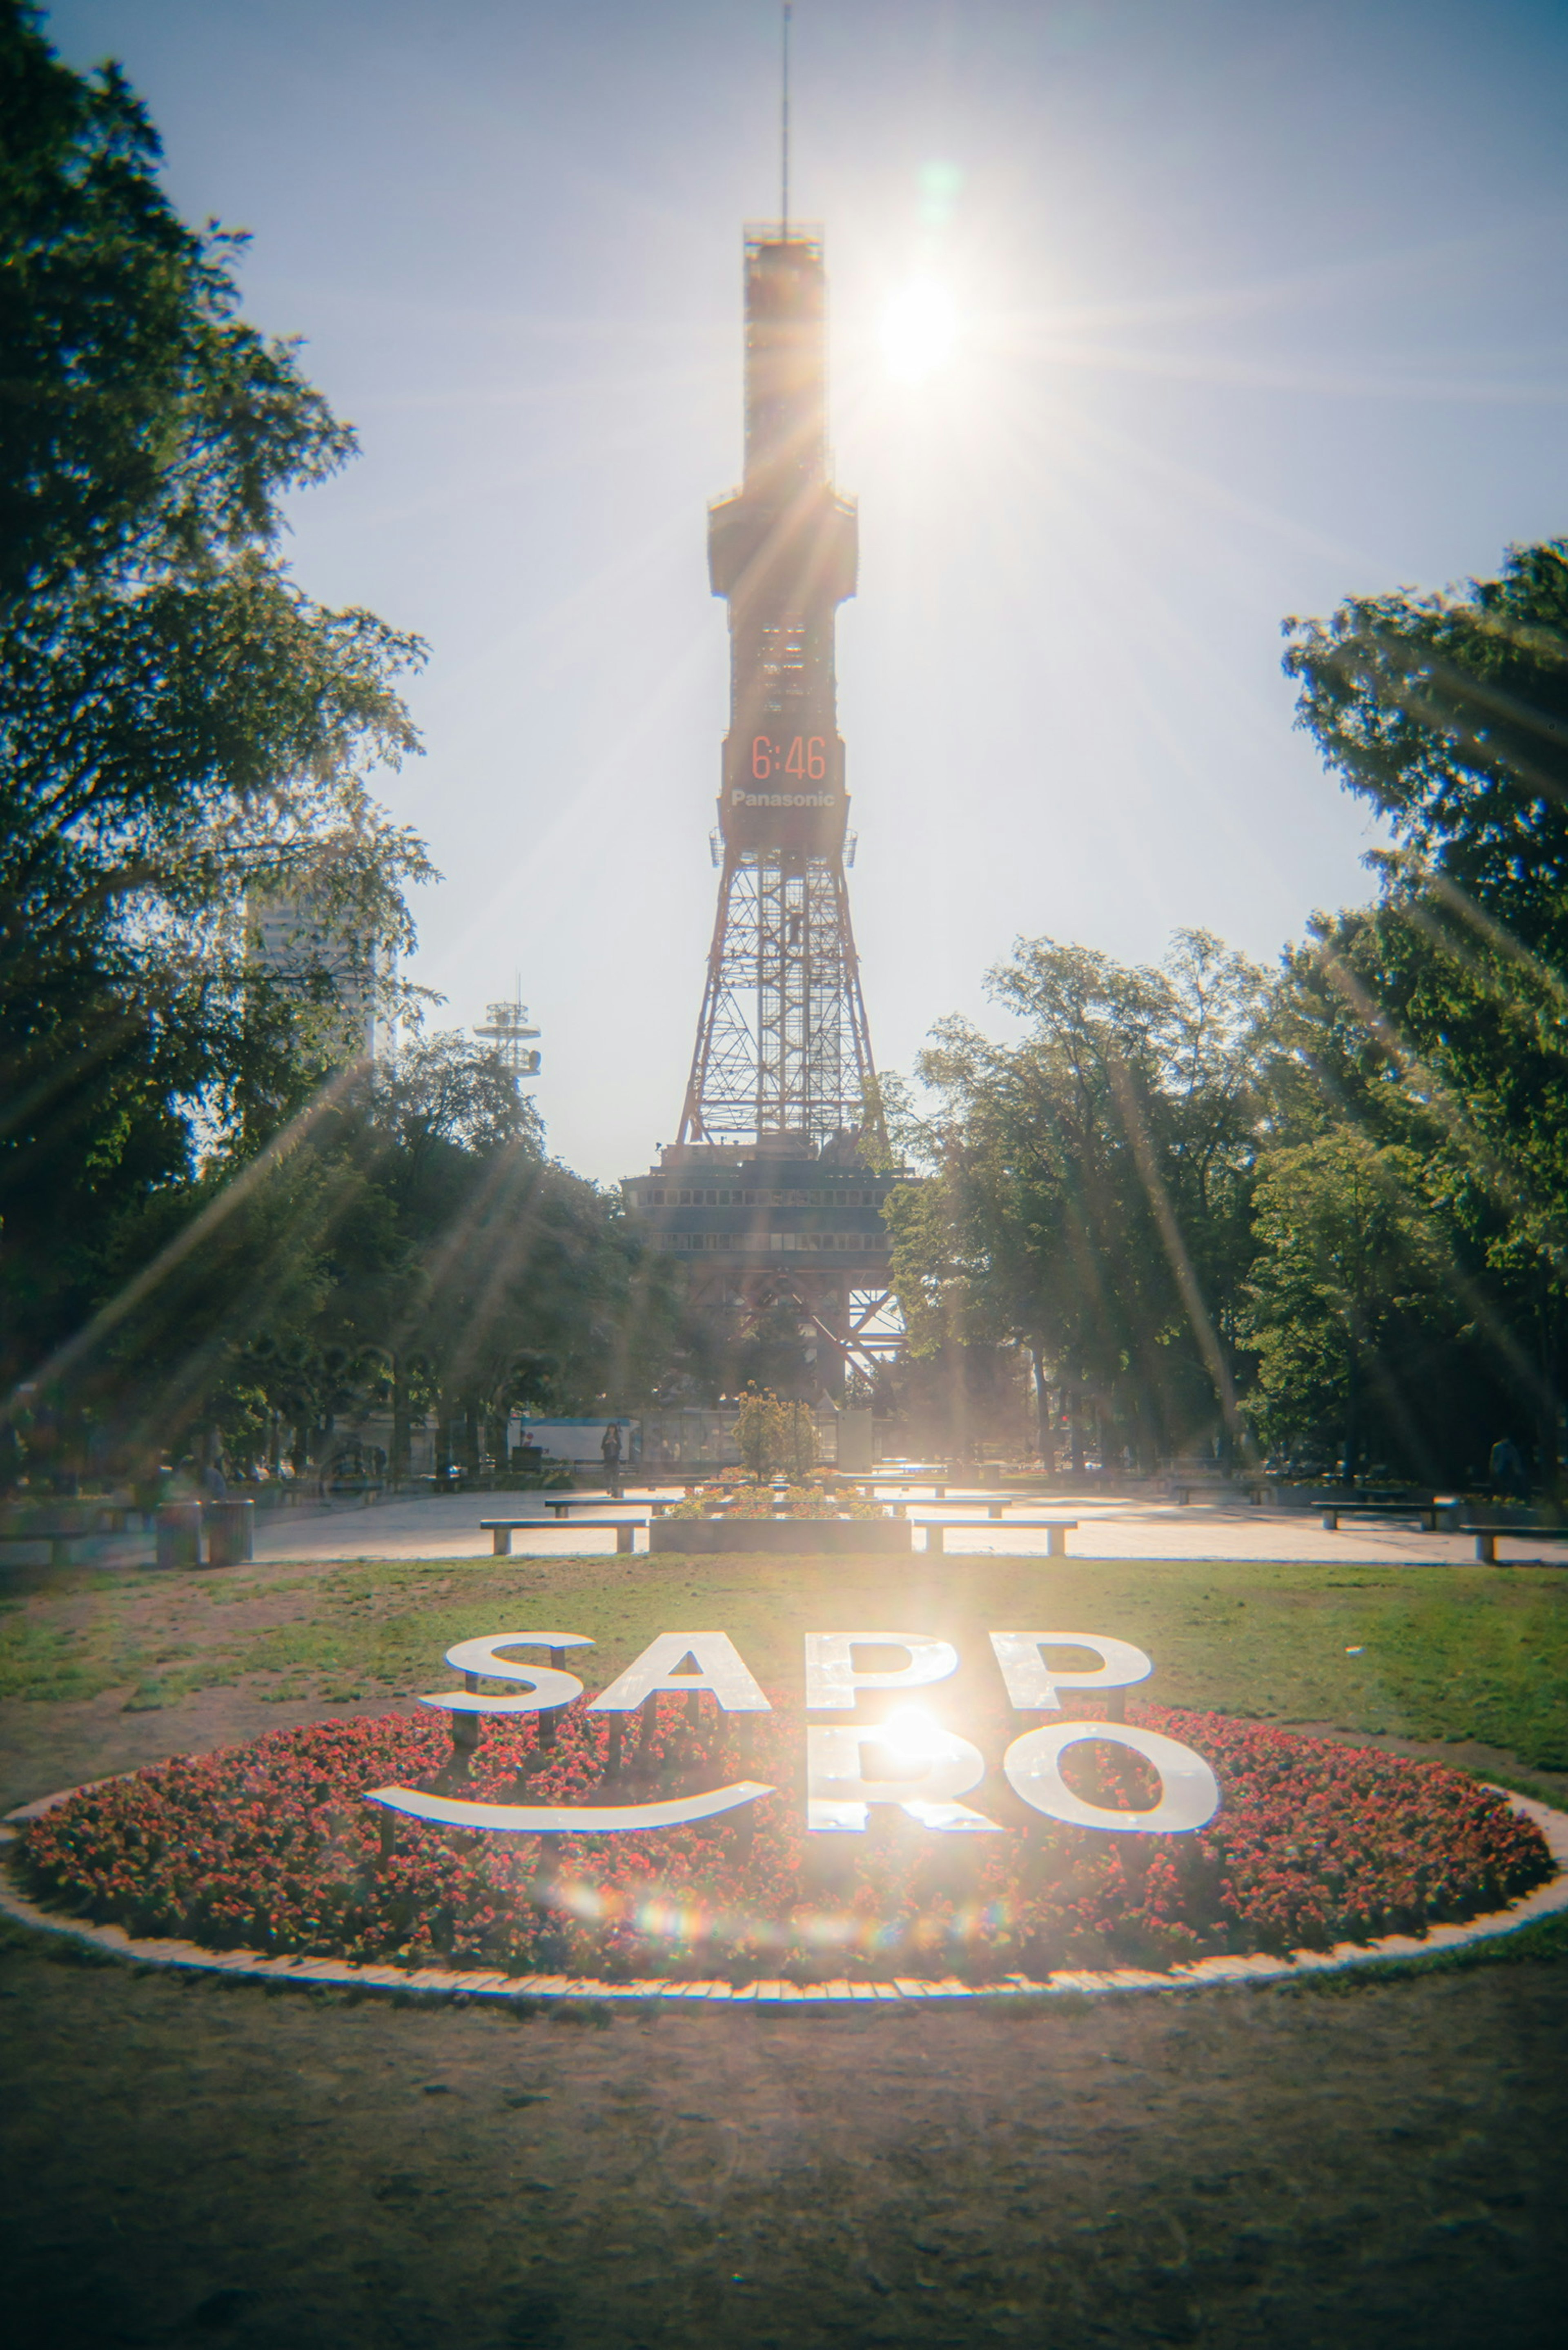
(798, 1430)
(758, 1431)
(776, 1439)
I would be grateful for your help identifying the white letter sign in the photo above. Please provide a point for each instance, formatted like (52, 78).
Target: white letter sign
(545, 1688)
(944, 1766)
(719, 1669)
(1188, 1791)
(930, 1765)
(1033, 1684)
(832, 1680)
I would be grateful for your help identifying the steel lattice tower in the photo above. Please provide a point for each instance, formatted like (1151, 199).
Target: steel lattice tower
(765, 1183)
(782, 1043)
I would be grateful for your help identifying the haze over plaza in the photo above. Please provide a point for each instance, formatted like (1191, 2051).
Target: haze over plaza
(1245, 312)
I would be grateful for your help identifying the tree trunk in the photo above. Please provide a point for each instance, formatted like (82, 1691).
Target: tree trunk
(401, 1416)
(962, 1440)
(1546, 1459)
(1351, 1459)
(1042, 1410)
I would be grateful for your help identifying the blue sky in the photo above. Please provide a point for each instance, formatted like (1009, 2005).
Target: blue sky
(1259, 305)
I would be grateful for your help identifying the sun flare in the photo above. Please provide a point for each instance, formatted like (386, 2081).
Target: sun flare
(919, 330)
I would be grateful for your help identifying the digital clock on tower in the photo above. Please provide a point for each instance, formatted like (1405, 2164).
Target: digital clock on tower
(803, 756)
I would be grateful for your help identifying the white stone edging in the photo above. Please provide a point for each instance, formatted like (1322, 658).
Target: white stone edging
(453, 1983)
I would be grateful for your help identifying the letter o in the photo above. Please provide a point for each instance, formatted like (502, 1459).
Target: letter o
(1188, 1791)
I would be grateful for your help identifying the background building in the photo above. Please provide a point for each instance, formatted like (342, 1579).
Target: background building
(314, 952)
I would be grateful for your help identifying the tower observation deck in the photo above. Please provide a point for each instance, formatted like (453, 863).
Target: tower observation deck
(765, 1186)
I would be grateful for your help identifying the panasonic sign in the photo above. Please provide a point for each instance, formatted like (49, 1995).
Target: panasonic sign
(781, 799)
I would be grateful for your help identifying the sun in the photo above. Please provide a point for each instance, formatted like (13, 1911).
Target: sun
(919, 330)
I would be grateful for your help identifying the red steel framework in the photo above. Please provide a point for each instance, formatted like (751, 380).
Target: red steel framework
(782, 1044)
(765, 1183)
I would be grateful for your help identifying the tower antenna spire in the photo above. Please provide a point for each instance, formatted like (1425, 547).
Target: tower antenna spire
(784, 126)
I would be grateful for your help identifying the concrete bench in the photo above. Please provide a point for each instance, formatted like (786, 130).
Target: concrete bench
(1425, 1514)
(500, 1529)
(1055, 1529)
(64, 1523)
(992, 1505)
(1486, 1539)
(873, 1489)
(58, 1544)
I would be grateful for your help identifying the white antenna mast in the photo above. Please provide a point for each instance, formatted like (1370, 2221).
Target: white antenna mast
(784, 126)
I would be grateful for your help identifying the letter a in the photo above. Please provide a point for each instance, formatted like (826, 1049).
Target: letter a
(719, 1669)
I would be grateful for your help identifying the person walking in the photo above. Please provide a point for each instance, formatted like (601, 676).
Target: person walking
(1509, 1478)
(610, 1446)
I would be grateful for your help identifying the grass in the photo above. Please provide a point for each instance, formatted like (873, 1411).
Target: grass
(1454, 1654)
(1370, 2158)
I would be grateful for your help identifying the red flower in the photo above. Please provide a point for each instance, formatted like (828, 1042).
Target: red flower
(268, 1846)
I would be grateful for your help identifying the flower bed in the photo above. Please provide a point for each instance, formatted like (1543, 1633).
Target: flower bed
(268, 1846)
(737, 1501)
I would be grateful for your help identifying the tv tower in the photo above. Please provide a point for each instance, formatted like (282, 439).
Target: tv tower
(764, 1183)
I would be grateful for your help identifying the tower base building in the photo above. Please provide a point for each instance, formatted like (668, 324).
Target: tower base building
(770, 1225)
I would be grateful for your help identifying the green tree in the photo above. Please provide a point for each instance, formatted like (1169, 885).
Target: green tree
(1089, 1186)
(412, 1250)
(776, 1435)
(1347, 1283)
(181, 726)
(1448, 714)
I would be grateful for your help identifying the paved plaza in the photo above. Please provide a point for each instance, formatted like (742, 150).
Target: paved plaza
(1109, 1527)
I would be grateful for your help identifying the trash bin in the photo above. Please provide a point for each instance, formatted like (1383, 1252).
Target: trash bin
(177, 1526)
(230, 1528)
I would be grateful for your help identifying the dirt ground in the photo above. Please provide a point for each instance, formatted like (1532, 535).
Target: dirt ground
(1356, 2165)
(1374, 2167)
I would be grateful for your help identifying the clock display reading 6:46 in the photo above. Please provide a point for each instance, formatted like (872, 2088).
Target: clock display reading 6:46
(806, 756)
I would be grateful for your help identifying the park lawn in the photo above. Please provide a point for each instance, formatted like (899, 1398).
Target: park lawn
(1372, 2157)
(1434, 1654)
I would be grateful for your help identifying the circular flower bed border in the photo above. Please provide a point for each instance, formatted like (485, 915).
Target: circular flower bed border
(469, 1983)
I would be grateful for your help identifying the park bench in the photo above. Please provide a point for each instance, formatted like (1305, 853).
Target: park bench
(1214, 1489)
(899, 1497)
(1056, 1531)
(562, 1503)
(1425, 1514)
(1486, 1539)
(500, 1529)
(992, 1505)
(65, 1523)
(928, 1489)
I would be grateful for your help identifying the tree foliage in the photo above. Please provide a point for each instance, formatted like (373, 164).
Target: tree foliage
(1448, 714)
(777, 1436)
(1089, 1181)
(181, 726)
(407, 1249)
(1330, 1207)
